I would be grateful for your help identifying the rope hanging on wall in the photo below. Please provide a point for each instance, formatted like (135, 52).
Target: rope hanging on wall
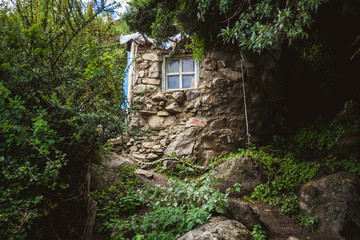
(245, 107)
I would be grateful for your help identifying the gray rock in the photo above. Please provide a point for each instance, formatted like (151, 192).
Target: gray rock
(335, 200)
(179, 97)
(138, 89)
(139, 156)
(173, 108)
(163, 113)
(150, 57)
(244, 170)
(190, 95)
(292, 238)
(242, 212)
(141, 73)
(133, 149)
(148, 144)
(156, 122)
(159, 97)
(170, 121)
(219, 228)
(154, 71)
(183, 145)
(151, 81)
(169, 164)
(145, 173)
(104, 172)
(147, 112)
(151, 156)
(348, 146)
(164, 142)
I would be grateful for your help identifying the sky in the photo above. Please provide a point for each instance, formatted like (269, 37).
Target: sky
(120, 10)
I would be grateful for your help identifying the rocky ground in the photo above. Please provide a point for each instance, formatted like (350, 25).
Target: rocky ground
(276, 225)
(335, 199)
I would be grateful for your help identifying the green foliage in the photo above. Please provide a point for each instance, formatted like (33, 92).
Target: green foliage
(121, 199)
(308, 222)
(60, 100)
(171, 212)
(250, 25)
(28, 161)
(184, 169)
(290, 205)
(322, 135)
(258, 233)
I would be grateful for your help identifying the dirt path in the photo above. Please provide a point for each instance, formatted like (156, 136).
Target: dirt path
(281, 227)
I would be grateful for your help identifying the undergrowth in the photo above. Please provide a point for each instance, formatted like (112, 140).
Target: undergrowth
(169, 213)
(184, 168)
(289, 163)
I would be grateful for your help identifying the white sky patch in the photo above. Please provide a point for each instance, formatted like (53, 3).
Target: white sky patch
(120, 10)
(123, 5)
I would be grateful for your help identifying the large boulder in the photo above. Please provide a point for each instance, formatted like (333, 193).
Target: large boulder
(183, 145)
(348, 146)
(242, 212)
(219, 228)
(244, 170)
(104, 171)
(335, 200)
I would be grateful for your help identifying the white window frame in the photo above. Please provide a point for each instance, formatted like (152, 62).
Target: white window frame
(165, 74)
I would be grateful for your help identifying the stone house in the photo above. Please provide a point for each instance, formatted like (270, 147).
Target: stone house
(197, 109)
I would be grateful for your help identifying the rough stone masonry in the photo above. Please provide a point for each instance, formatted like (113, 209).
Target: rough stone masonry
(209, 120)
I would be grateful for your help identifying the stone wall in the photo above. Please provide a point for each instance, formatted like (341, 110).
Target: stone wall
(207, 121)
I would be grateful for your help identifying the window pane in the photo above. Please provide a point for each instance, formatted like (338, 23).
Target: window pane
(188, 65)
(173, 66)
(173, 82)
(188, 81)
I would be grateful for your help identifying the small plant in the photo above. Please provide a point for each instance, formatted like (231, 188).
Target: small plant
(308, 222)
(184, 169)
(258, 233)
(290, 205)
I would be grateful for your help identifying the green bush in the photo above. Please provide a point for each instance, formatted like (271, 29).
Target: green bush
(170, 212)
(60, 100)
(258, 233)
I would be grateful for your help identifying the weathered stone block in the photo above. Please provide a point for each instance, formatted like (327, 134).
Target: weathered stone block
(190, 95)
(170, 121)
(159, 97)
(139, 156)
(163, 113)
(156, 122)
(133, 149)
(141, 73)
(196, 122)
(164, 142)
(179, 97)
(138, 89)
(150, 57)
(147, 112)
(151, 81)
(173, 108)
(151, 156)
(154, 71)
(143, 65)
(148, 144)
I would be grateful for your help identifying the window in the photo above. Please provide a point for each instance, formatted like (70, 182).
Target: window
(180, 73)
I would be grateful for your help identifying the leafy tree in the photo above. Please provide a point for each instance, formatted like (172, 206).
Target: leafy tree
(61, 76)
(253, 25)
